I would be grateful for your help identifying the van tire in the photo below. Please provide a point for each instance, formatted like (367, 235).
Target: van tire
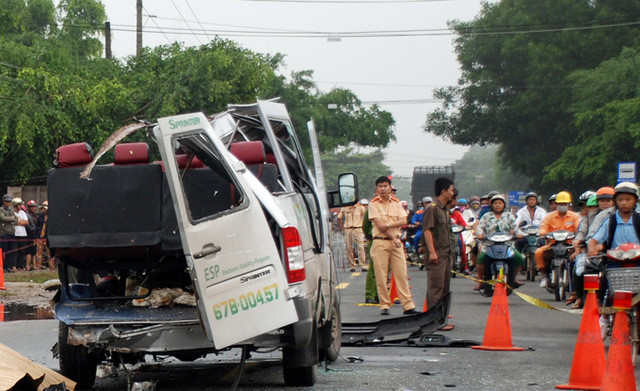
(301, 376)
(306, 375)
(75, 361)
(332, 335)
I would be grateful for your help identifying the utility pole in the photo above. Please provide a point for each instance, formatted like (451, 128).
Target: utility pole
(139, 27)
(107, 40)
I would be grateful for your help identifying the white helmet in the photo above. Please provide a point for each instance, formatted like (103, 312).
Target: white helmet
(364, 201)
(426, 200)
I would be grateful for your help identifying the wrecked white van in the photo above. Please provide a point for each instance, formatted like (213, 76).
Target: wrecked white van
(223, 243)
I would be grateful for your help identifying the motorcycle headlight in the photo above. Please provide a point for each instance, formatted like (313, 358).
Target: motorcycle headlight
(621, 255)
(500, 238)
(561, 236)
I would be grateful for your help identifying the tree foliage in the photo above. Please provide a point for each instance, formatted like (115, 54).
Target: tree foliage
(480, 171)
(516, 58)
(368, 167)
(56, 89)
(606, 108)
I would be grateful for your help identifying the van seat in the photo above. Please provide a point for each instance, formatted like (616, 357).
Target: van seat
(253, 155)
(183, 159)
(131, 153)
(78, 154)
(250, 152)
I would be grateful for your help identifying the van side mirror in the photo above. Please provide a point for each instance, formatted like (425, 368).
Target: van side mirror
(347, 193)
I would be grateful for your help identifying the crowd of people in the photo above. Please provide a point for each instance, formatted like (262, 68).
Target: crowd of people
(23, 235)
(384, 231)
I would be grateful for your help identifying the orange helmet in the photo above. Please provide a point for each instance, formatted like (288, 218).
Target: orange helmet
(604, 193)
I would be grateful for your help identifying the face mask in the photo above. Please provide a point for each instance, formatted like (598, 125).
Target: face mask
(562, 208)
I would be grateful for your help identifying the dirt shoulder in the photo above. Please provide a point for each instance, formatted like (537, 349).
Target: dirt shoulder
(25, 293)
(27, 288)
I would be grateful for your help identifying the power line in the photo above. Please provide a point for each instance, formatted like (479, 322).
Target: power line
(185, 21)
(365, 34)
(198, 20)
(156, 23)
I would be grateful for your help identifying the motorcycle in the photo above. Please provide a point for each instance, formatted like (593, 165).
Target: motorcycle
(560, 278)
(498, 261)
(531, 235)
(457, 263)
(626, 277)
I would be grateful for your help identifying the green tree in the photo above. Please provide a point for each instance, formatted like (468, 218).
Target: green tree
(367, 166)
(514, 89)
(606, 108)
(480, 170)
(340, 117)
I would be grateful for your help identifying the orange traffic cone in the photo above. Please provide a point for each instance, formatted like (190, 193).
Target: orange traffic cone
(619, 375)
(588, 362)
(2, 287)
(497, 333)
(393, 292)
(1, 312)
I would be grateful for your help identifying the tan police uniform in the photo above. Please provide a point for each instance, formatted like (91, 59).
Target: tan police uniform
(353, 234)
(386, 255)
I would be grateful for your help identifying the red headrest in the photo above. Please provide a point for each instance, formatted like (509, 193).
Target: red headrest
(77, 154)
(182, 160)
(131, 153)
(250, 152)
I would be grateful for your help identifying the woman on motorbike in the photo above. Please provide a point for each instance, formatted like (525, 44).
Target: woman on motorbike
(497, 220)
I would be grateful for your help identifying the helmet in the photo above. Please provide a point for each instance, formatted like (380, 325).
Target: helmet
(404, 203)
(16, 201)
(474, 199)
(530, 194)
(7, 198)
(485, 197)
(626, 187)
(462, 201)
(584, 197)
(498, 197)
(426, 200)
(563, 198)
(492, 194)
(605, 193)
(552, 197)
(45, 205)
(592, 201)
(32, 203)
(364, 201)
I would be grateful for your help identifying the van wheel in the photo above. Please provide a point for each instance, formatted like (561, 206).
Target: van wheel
(299, 366)
(332, 336)
(75, 361)
(301, 376)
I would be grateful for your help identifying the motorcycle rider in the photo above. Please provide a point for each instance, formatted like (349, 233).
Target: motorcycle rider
(486, 206)
(623, 226)
(531, 214)
(606, 205)
(588, 213)
(552, 202)
(497, 220)
(560, 219)
(474, 207)
(416, 222)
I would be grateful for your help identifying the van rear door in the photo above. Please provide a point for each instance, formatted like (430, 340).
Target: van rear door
(228, 244)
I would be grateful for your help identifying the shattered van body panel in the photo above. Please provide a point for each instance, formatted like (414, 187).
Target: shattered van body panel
(231, 214)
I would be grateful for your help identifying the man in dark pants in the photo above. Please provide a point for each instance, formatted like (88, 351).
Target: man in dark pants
(8, 220)
(436, 228)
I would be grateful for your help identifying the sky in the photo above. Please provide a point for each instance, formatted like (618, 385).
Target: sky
(391, 52)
